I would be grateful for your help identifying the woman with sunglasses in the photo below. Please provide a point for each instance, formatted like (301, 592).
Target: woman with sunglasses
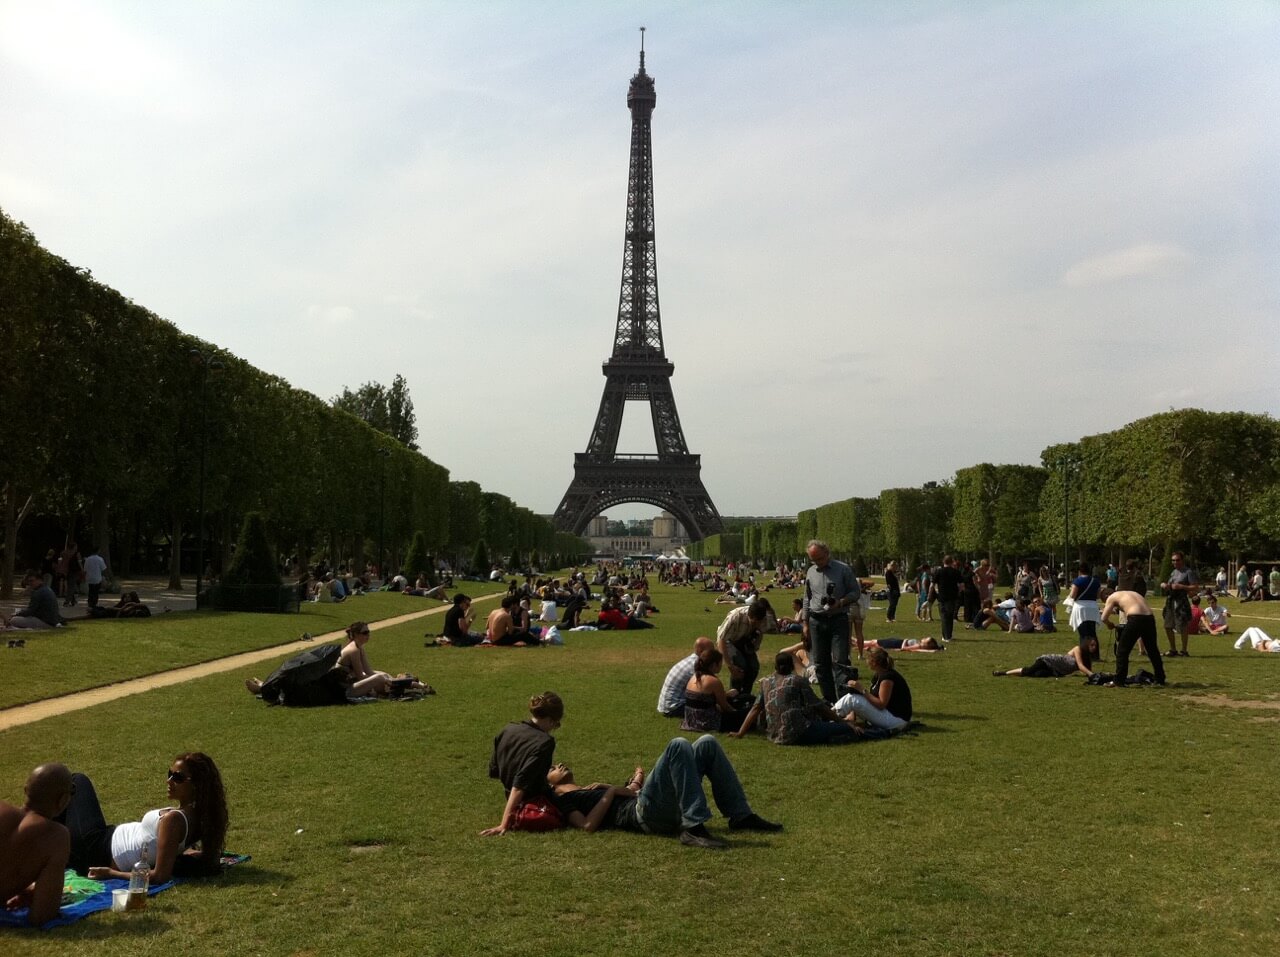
(365, 682)
(165, 838)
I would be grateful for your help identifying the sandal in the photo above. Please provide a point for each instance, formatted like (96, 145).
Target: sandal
(637, 780)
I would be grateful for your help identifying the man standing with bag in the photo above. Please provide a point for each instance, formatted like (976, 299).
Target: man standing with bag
(830, 589)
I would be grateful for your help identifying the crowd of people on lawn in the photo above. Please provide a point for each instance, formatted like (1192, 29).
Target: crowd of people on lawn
(61, 823)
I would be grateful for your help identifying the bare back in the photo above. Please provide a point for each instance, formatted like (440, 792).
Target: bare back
(33, 855)
(1129, 602)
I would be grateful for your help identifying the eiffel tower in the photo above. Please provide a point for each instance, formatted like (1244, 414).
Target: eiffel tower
(638, 371)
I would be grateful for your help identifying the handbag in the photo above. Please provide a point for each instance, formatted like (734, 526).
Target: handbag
(537, 815)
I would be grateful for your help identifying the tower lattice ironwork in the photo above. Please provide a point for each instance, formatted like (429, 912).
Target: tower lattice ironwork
(638, 371)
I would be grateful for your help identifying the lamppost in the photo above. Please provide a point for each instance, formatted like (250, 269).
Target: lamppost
(1069, 463)
(207, 363)
(384, 454)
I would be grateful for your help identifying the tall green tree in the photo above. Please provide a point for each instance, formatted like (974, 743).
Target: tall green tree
(389, 410)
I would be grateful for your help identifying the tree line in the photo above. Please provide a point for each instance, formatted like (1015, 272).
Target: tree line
(1208, 482)
(102, 416)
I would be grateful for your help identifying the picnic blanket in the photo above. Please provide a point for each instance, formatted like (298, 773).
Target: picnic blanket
(82, 897)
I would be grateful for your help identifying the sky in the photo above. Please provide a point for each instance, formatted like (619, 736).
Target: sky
(894, 239)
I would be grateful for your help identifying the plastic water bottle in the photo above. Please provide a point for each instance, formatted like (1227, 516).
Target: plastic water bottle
(139, 878)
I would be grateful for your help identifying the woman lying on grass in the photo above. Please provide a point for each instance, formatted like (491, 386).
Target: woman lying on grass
(1254, 637)
(925, 645)
(165, 838)
(1076, 660)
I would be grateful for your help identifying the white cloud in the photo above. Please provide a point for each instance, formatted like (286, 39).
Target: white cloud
(1144, 259)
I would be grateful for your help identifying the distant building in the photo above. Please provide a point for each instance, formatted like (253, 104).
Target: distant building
(665, 534)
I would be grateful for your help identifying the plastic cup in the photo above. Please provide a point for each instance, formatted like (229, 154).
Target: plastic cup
(119, 898)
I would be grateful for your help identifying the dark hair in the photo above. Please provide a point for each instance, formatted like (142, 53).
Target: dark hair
(508, 601)
(356, 628)
(784, 663)
(1087, 653)
(32, 573)
(546, 705)
(707, 662)
(757, 610)
(459, 598)
(211, 803)
(1085, 569)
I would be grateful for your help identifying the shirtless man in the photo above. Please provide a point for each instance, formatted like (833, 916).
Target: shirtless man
(499, 628)
(33, 847)
(1139, 625)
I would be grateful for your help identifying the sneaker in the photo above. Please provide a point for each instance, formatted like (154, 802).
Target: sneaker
(699, 836)
(754, 822)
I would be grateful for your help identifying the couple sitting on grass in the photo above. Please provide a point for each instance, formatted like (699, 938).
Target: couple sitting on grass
(670, 800)
(352, 677)
(61, 825)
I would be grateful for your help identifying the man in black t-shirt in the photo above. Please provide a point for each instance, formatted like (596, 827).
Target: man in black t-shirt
(457, 624)
(946, 579)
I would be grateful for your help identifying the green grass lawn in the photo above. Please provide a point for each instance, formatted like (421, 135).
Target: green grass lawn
(92, 652)
(1024, 817)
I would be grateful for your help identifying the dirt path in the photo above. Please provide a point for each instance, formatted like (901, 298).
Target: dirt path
(48, 708)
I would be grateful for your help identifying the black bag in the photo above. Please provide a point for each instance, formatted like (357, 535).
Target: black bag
(307, 680)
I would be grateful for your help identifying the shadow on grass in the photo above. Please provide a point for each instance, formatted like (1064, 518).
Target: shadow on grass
(926, 716)
(248, 873)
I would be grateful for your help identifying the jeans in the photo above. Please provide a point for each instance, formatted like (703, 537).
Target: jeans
(749, 661)
(950, 608)
(892, 613)
(1138, 627)
(90, 832)
(94, 588)
(829, 638)
(672, 798)
(864, 709)
(826, 732)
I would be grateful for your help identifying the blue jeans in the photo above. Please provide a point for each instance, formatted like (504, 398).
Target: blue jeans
(672, 798)
(829, 640)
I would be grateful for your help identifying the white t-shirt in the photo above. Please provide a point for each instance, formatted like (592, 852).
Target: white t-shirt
(1215, 615)
(94, 566)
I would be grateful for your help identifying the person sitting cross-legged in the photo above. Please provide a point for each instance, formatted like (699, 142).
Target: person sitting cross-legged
(1214, 619)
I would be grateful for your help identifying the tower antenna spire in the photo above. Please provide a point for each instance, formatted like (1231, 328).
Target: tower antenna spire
(642, 49)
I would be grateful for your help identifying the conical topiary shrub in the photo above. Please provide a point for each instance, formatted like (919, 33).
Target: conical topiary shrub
(254, 562)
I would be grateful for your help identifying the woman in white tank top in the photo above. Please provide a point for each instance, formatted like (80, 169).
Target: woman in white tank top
(165, 838)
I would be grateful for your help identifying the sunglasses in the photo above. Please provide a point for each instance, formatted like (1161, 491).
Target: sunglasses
(177, 777)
